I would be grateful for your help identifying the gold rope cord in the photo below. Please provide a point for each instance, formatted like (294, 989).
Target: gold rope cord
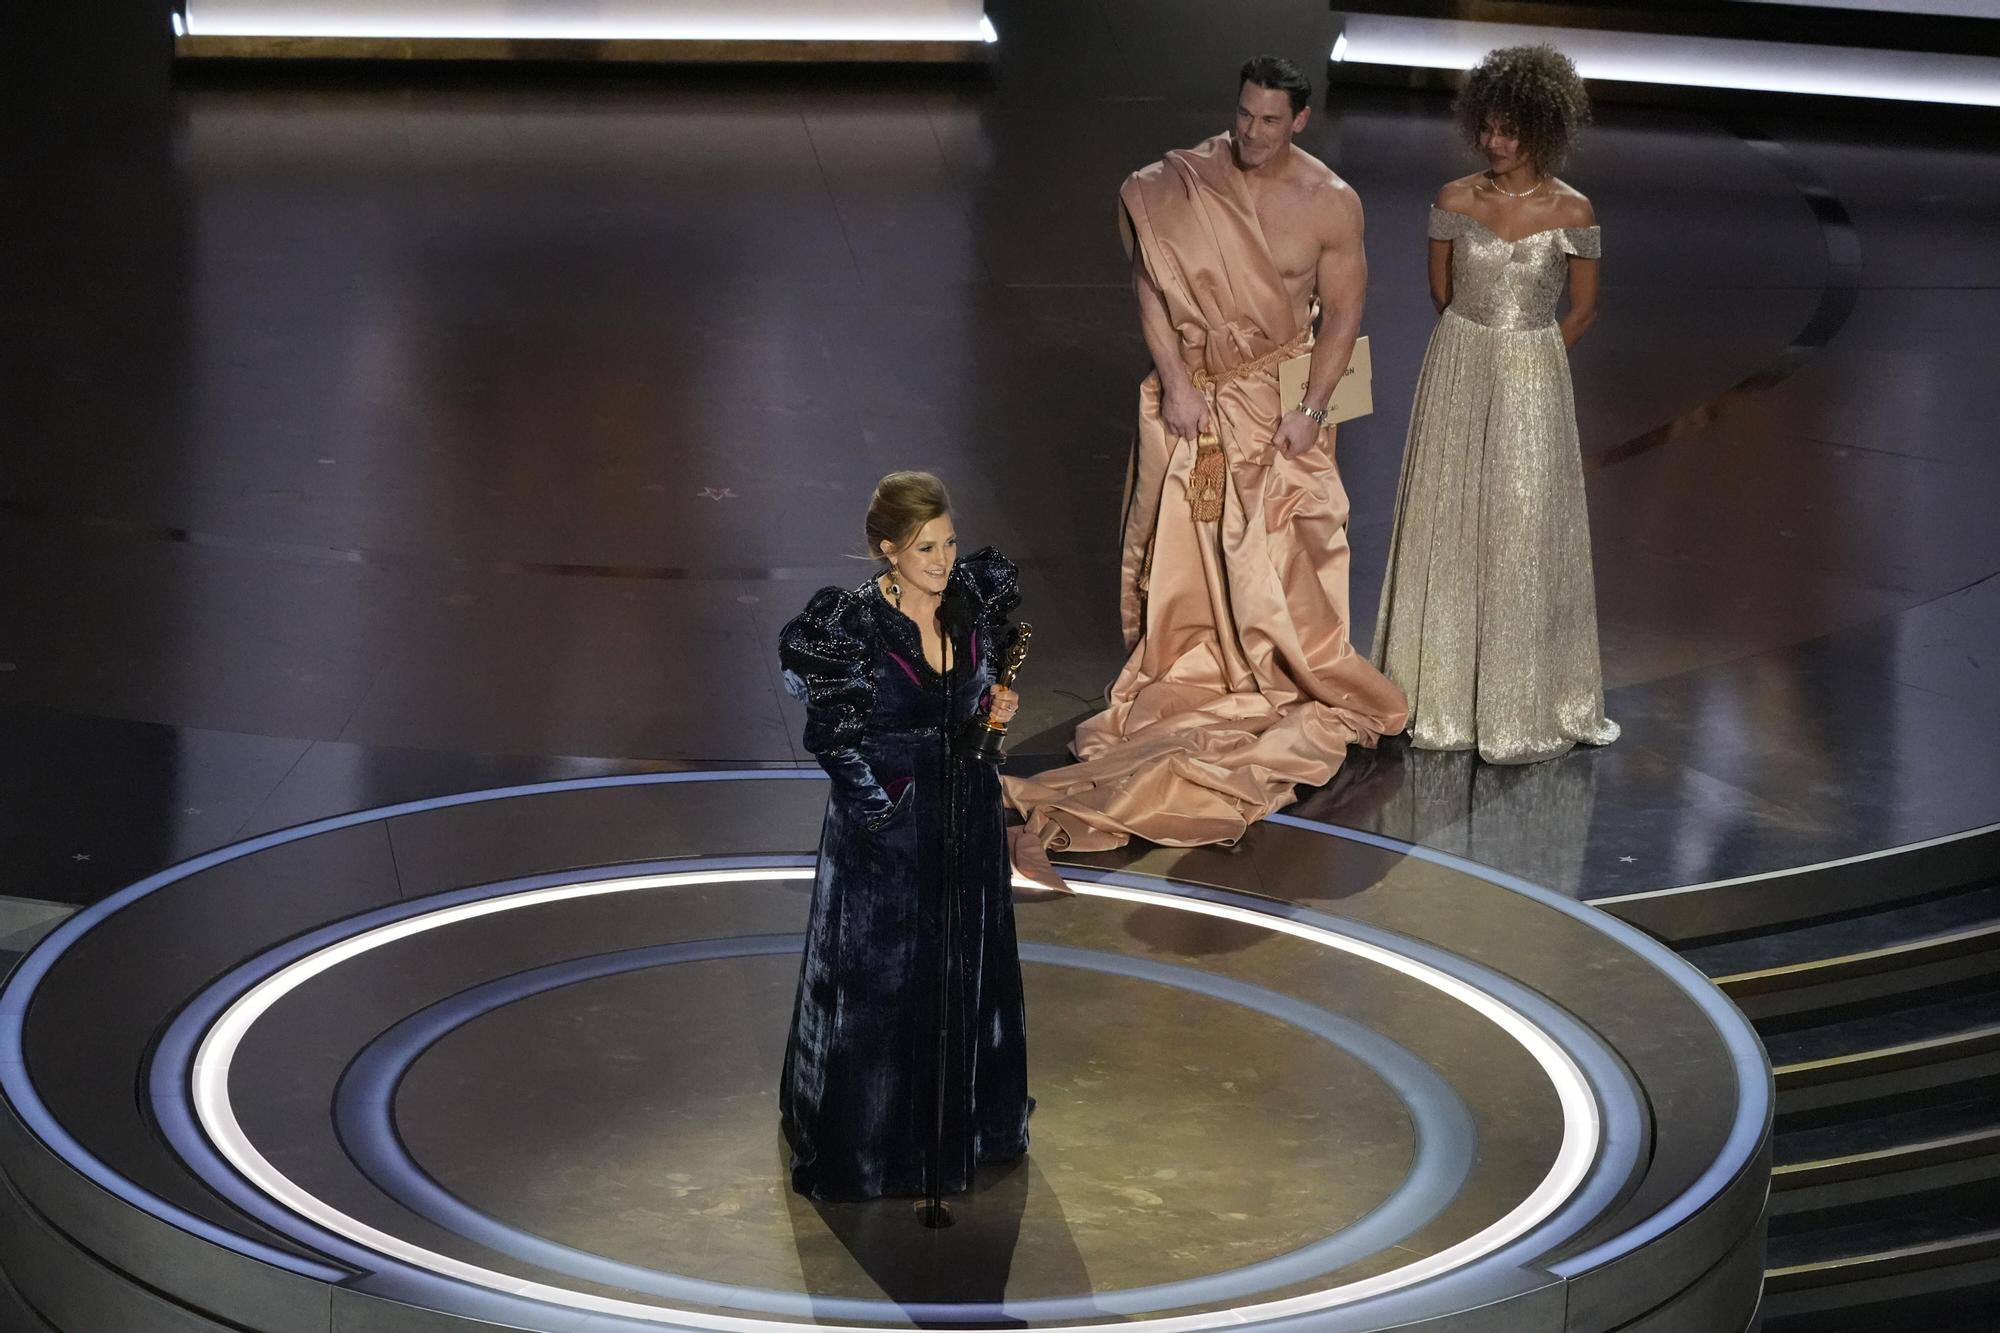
(1209, 477)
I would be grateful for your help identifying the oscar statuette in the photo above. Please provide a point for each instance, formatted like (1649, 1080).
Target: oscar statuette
(984, 736)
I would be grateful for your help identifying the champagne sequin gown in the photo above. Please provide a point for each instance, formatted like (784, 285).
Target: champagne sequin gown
(1489, 616)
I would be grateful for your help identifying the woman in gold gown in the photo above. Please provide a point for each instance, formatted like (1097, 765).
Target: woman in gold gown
(1489, 619)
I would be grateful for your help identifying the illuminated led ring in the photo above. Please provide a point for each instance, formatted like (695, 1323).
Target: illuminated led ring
(1582, 1140)
(364, 1118)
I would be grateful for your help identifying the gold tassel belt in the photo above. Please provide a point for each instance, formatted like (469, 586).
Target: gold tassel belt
(1205, 482)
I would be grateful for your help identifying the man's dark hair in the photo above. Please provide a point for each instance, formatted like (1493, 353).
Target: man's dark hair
(1277, 73)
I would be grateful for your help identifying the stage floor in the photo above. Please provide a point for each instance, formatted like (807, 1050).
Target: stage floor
(391, 437)
(384, 444)
(512, 1058)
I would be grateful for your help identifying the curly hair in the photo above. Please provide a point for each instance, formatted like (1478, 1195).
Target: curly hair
(1533, 91)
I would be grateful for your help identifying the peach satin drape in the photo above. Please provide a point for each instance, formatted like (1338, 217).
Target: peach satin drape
(1241, 682)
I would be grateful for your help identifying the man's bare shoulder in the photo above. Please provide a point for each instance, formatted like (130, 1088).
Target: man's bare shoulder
(1313, 176)
(1320, 187)
(1305, 170)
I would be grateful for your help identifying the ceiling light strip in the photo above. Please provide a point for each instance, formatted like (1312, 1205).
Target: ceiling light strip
(1682, 61)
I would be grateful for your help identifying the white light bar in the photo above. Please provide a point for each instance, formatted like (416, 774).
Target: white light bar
(1687, 62)
(609, 21)
(1961, 9)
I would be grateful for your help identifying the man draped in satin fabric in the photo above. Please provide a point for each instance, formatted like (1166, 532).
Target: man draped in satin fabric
(1240, 681)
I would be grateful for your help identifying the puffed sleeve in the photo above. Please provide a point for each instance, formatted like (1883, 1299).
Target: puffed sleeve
(1446, 225)
(994, 583)
(828, 653)
(994, 587)
(1583, 242)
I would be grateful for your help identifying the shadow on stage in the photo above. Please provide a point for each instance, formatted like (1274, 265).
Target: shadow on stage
(860, 1249)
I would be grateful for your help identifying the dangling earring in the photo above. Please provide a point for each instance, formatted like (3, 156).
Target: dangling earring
(895, 593)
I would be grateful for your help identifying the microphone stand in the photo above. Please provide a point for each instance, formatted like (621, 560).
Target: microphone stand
(933, 1211)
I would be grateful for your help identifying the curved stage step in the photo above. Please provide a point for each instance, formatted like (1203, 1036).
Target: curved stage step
(506, 1060)
(1875, 984)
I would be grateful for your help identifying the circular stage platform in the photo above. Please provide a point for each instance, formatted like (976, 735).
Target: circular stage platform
(509, 1060)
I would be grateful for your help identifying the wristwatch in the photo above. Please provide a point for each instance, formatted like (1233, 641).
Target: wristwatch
(1318, 414)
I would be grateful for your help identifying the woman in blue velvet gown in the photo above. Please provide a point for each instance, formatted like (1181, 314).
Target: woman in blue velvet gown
(890, 671)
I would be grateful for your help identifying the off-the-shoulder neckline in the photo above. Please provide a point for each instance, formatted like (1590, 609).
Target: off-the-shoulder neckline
(1506, 240)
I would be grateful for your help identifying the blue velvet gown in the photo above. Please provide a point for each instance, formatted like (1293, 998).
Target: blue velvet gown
(859, 1093)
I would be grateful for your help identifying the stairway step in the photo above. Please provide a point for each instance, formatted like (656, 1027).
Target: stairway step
(1877, 995)
(1867, 1187)
(1964, 1299)
(1853, 935)
(1974, 1154)
(1944, 1227)
(1870, 1082)
(1758, 905)
(1855, 985)
(1801, 1149)
(1900, 1026)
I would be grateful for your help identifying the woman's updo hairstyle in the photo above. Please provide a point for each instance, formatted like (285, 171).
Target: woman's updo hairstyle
(902, 504)
(1532, 90)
